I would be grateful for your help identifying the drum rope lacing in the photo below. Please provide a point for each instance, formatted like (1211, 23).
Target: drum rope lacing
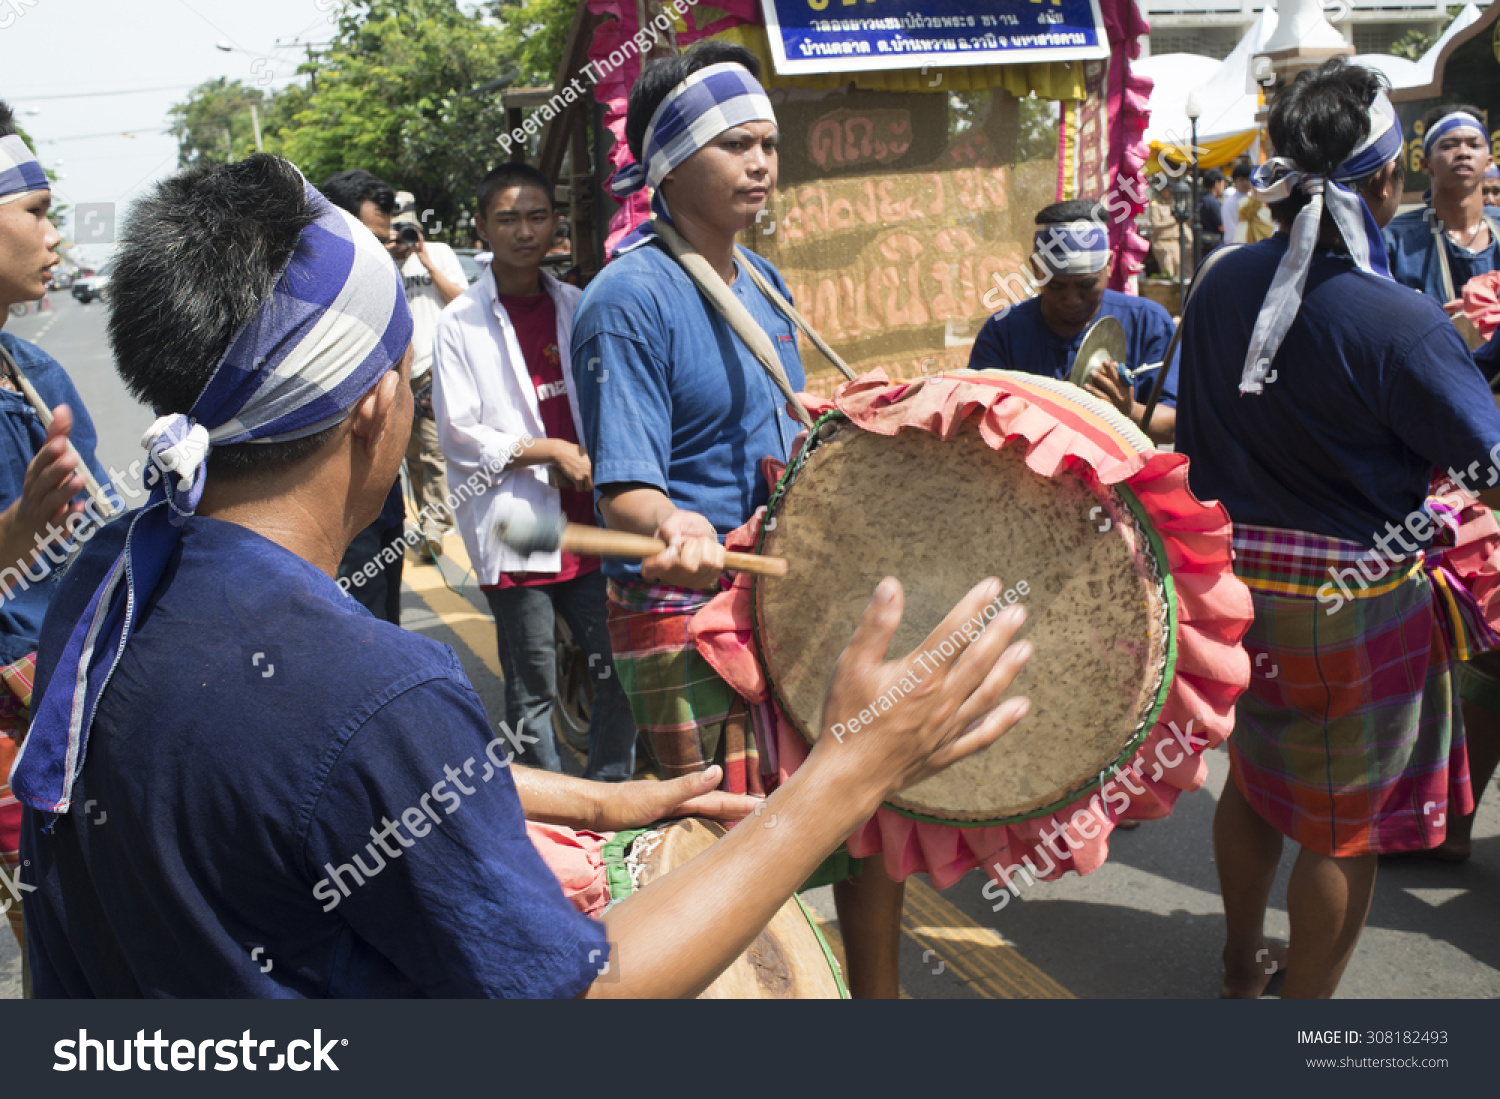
(639, 851)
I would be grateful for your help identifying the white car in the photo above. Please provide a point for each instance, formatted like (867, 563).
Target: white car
(93, 286)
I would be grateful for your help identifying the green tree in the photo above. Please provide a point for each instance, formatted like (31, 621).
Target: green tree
(407, 91)
(1413, 44)
(214, 124)
(535, 32)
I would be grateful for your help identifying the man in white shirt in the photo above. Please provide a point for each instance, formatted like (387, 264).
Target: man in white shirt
(504, 398)
(433, 277)
(1229, 205)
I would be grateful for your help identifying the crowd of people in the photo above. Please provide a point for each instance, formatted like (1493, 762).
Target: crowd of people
(299, 343)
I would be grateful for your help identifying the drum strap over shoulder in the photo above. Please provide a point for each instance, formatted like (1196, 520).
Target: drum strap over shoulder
(1166, 364)
(738, 317)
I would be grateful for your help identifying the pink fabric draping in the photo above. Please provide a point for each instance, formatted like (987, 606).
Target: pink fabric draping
(1128, 95)
(1481, 296)
(576, 860)
(1214, 613)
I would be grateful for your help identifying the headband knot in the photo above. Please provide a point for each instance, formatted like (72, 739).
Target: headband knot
(1277, 180)
(177, 444)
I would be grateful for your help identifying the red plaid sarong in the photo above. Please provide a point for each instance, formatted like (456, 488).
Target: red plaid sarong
(15, 712)
(690, 717)
(1346, 740)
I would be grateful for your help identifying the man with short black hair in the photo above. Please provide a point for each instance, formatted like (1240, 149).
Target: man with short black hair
(500, 383)
(1453, 237)
(1071, 265)
(1229, 205)
(1210, 212)
(1317, 398)
(305, 801)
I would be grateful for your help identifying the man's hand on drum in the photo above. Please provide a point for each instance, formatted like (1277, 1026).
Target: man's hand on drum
(900, 721)
(1107, 384)
(693, 557)
(637, 804)
(678, 933)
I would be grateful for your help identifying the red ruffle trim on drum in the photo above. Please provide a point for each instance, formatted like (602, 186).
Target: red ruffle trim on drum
(1214, 611)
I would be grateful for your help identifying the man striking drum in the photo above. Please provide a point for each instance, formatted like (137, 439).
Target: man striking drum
(1041, 335)
(1317, 397)
(678, 415)
(302, 800)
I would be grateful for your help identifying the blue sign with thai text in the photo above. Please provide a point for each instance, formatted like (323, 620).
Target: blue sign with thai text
(827, 36)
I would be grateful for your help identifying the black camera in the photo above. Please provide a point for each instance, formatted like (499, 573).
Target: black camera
(408, 234)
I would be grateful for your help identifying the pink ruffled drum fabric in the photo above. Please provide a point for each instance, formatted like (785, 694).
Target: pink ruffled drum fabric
(1481, 297)
(1214, 611)
(576, 860)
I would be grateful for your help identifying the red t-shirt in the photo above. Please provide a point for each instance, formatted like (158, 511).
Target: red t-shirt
(535, 321)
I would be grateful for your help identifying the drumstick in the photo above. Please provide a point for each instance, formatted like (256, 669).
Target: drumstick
(529, 534)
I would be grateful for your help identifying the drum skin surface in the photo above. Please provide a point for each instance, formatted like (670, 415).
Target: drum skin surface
(941, 516)
(787, 960)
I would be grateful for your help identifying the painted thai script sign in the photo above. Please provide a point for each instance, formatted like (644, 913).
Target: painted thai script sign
(826, 36)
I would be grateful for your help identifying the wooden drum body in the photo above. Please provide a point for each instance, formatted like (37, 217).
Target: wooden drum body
(789, 959)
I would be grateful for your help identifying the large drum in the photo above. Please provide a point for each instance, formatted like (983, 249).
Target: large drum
(1135, 611)
(941, 515)
(789, 959)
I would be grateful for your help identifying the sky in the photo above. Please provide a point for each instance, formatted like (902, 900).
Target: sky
(111, 146)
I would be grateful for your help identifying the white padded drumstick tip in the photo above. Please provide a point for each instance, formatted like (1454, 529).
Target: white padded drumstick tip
(528, 534)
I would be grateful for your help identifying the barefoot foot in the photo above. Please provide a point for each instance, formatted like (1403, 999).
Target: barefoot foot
(1247, 978)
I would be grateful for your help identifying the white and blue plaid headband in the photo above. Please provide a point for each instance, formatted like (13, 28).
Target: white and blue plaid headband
(335, 322)
(1275, 181)
(1457, 120)
(1073, 247)
(695, 112)
(20, 171)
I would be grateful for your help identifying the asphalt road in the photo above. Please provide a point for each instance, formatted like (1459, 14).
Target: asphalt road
(1148, 924)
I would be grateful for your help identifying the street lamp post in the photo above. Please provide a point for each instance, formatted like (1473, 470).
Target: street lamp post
(1182, 210)
(1194, 111)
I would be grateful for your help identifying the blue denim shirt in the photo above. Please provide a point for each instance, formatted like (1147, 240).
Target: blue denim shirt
(21, 436)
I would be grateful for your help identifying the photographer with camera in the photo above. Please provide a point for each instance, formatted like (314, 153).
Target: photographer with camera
(433, 277)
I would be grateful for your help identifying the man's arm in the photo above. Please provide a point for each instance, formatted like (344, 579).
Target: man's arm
(677, 934)
(551, 798)
(693, 558)
(447, 286)
(52, 480)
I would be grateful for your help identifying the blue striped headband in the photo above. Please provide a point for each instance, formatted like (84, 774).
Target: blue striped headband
(1073, 248)
(1275, 181)
(334, 323)
(1457, 120)
(695, 112)
(20, 171)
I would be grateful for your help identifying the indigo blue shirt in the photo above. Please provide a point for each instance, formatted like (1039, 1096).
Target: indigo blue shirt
(1373, 389)
(21, 436)
(670, 397)
(1019, 338)
(1416, 262)
(260, 725)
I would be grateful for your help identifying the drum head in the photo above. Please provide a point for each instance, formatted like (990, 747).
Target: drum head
(941, 516)
(787, 960)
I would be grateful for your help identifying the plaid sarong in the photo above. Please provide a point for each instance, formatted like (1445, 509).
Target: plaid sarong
(15, 712)
(1349, 740)
(691, 718)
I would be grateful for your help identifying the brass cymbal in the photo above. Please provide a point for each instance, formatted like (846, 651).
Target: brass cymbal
(1103, 342)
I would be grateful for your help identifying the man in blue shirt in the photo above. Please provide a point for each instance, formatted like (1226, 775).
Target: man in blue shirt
(40, 480)
(1041, 335)
(1316, 407)
(240, 783)
(1454, 236)
(678, 416)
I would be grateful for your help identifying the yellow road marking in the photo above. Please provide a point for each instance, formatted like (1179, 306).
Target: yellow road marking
(976, 954)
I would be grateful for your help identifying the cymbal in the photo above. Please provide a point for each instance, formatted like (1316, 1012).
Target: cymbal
(1103, 342)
